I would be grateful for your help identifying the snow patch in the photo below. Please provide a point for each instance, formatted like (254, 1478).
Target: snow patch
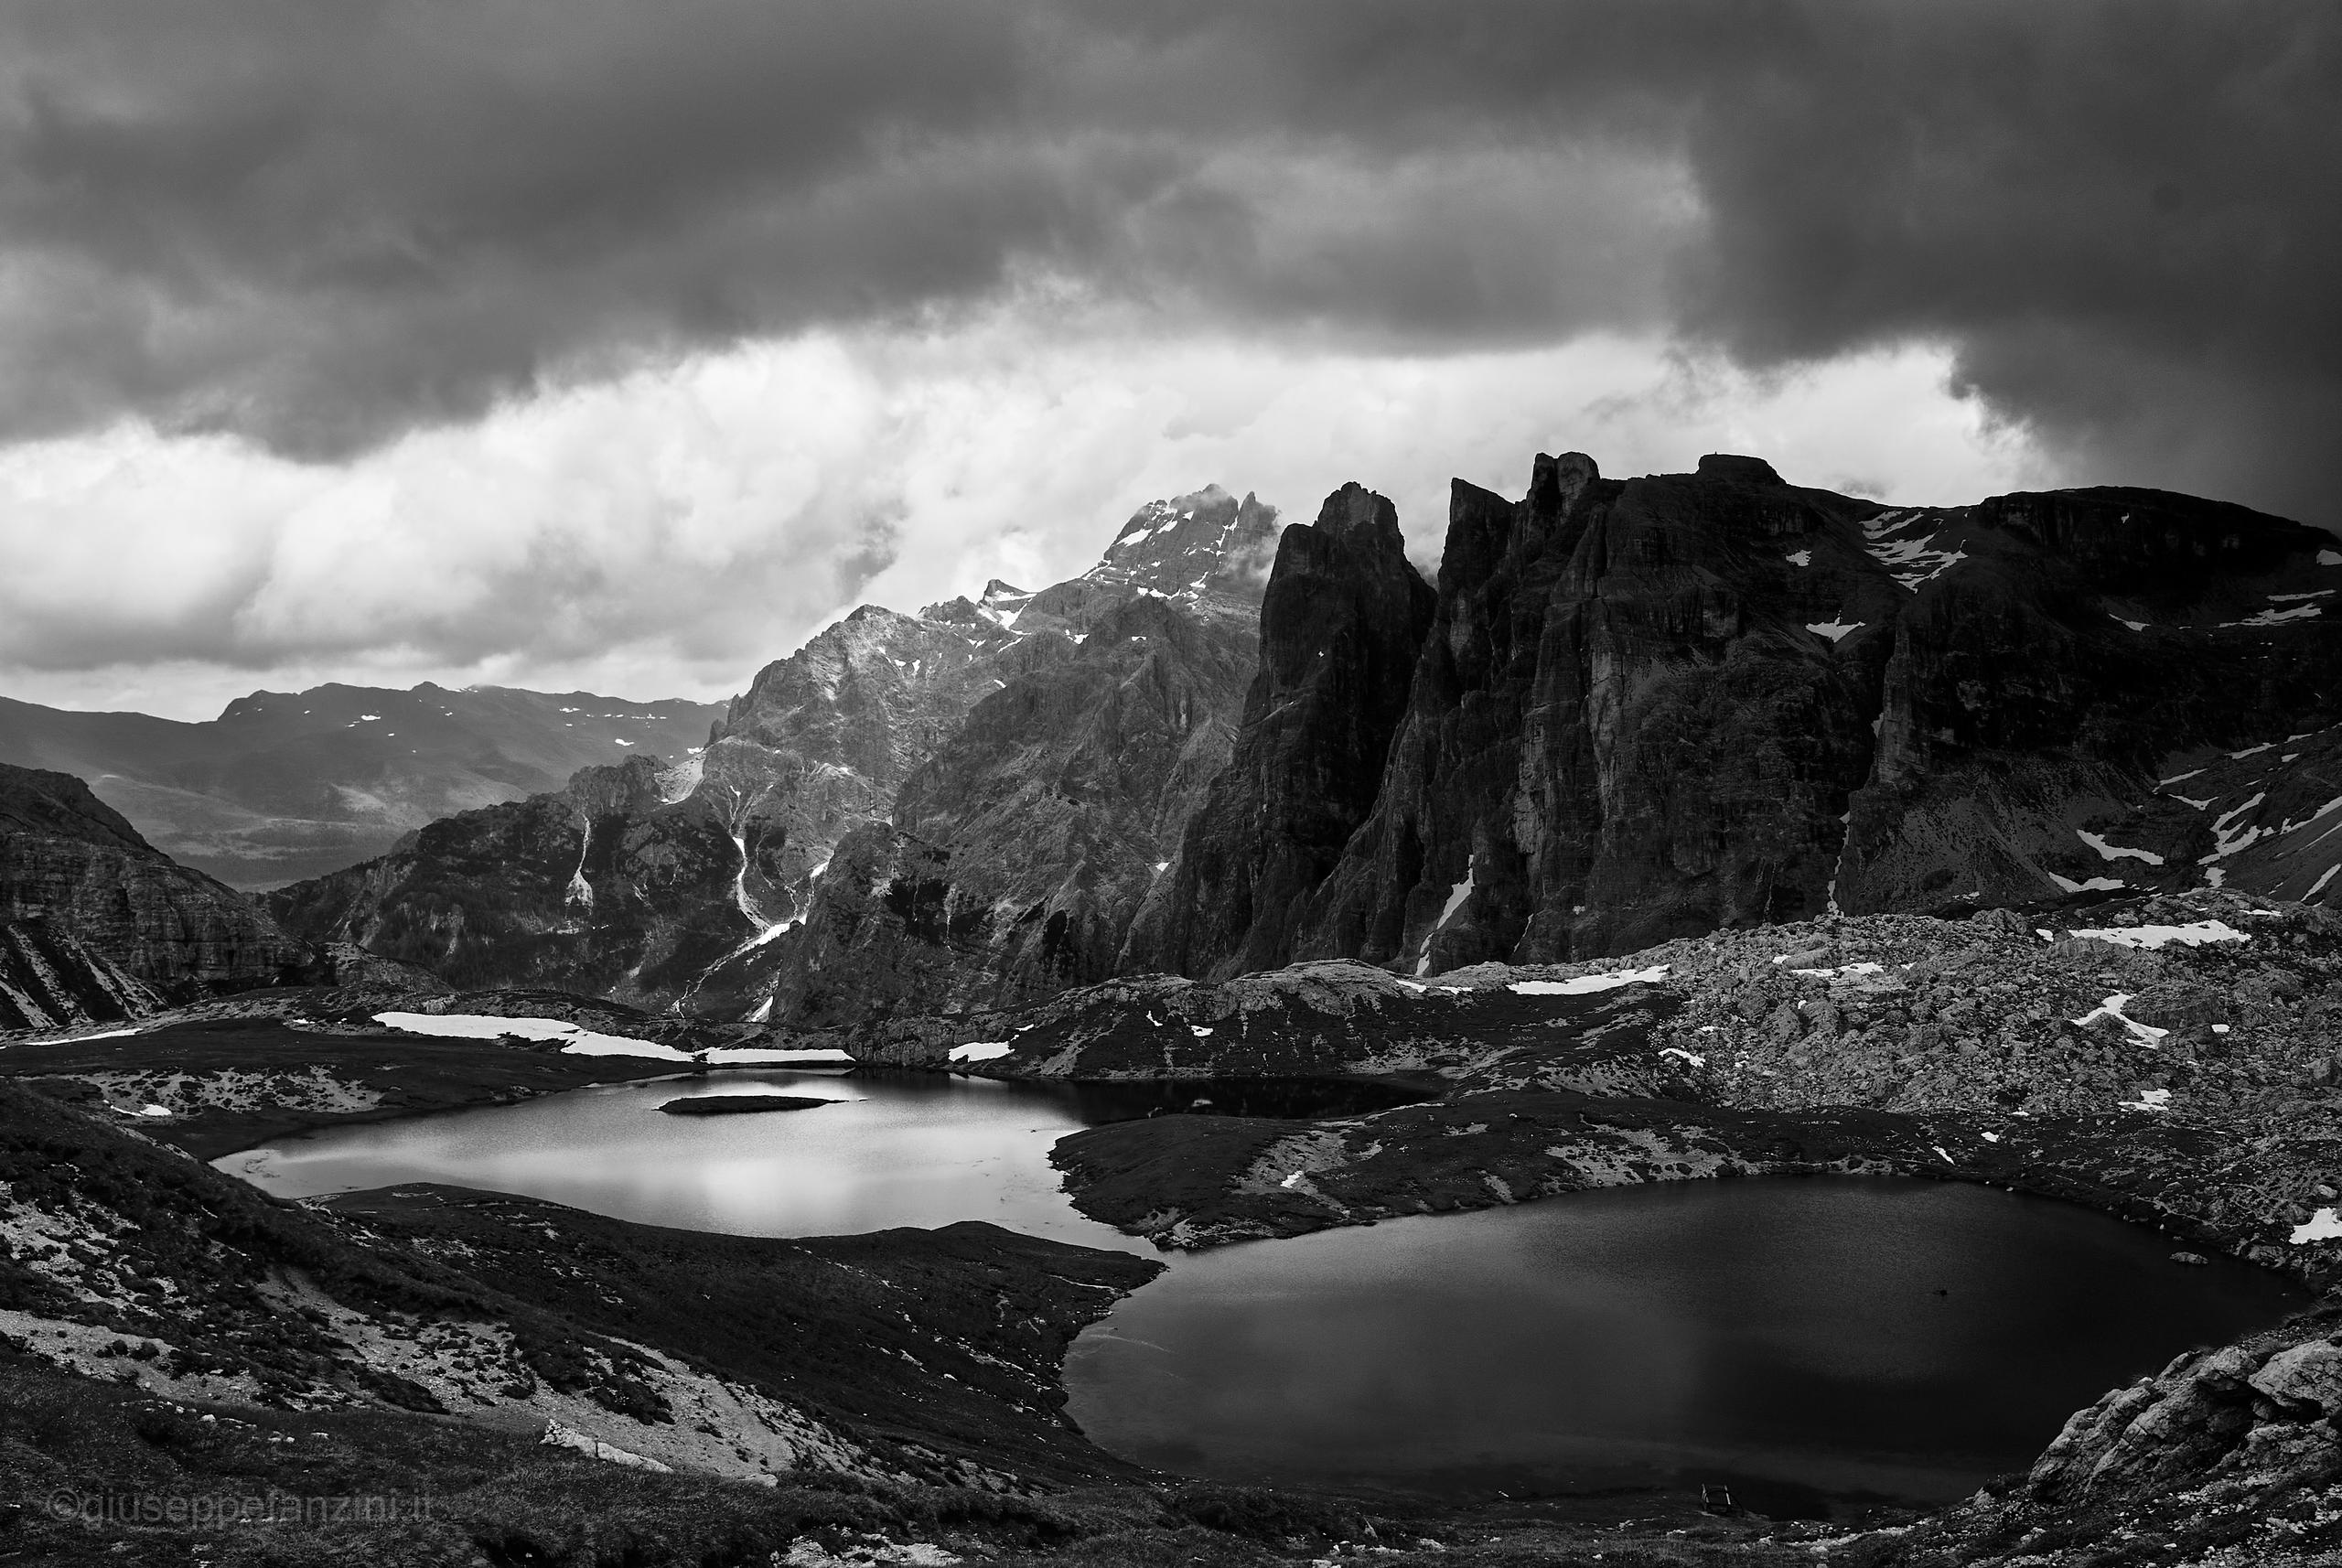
(2095, 885)
(72, 1039)
(577, 1040)
(2277, 617)
(1799, 558)
(559, 1436)
(1456, 896)
(981, 1050)
(2115, 851)
(2322, 1226)
(1912, 558)
(2112, 1007)
(1832, 630)
(2228, 841)
(2194, 934)
(1583, 983)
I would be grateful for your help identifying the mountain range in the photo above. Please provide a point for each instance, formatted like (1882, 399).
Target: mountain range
(1627, 711)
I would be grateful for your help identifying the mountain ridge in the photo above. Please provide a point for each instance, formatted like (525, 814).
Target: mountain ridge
(283, 785)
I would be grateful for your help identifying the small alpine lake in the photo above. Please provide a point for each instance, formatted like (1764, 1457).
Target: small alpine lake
(1800, 1339)
(893, 1148)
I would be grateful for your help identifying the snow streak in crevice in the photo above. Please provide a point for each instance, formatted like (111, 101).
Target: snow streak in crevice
(580, 891)
(1455, 898)
(1903, 540)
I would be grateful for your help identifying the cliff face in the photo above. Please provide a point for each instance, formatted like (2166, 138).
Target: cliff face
(1341, 625)
(1621, 729)
(1650, 708)
(72, 863)
(2090, 645)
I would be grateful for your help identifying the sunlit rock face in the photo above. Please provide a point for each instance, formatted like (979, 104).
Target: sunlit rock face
(1020, 851)
(1648, 708)
(1051, 744)
(1017, 854)
(72, 864)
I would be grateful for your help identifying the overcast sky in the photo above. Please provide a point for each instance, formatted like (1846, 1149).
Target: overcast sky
(595, 343)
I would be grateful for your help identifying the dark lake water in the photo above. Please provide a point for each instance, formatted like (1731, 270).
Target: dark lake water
(1798, 1339)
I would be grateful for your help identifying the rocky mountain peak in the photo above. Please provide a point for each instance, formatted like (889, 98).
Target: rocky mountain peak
(1356, 515)
(1733, 469)
(1206, 545)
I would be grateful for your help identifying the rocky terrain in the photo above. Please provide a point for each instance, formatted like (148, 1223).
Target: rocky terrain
(1046, 747)
(2170, 1059)
(70, 862)
(284, 785)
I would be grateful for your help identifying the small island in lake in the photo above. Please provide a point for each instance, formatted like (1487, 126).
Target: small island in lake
(740, 1104)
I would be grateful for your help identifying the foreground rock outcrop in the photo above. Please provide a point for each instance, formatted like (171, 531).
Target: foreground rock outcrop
(72, 864)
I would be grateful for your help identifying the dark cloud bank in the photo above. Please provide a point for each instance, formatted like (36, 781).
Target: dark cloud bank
(318, 224)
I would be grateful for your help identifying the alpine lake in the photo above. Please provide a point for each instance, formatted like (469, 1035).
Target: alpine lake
(1802, 1340)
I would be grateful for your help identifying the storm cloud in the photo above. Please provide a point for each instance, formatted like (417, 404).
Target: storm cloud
(319, 225)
